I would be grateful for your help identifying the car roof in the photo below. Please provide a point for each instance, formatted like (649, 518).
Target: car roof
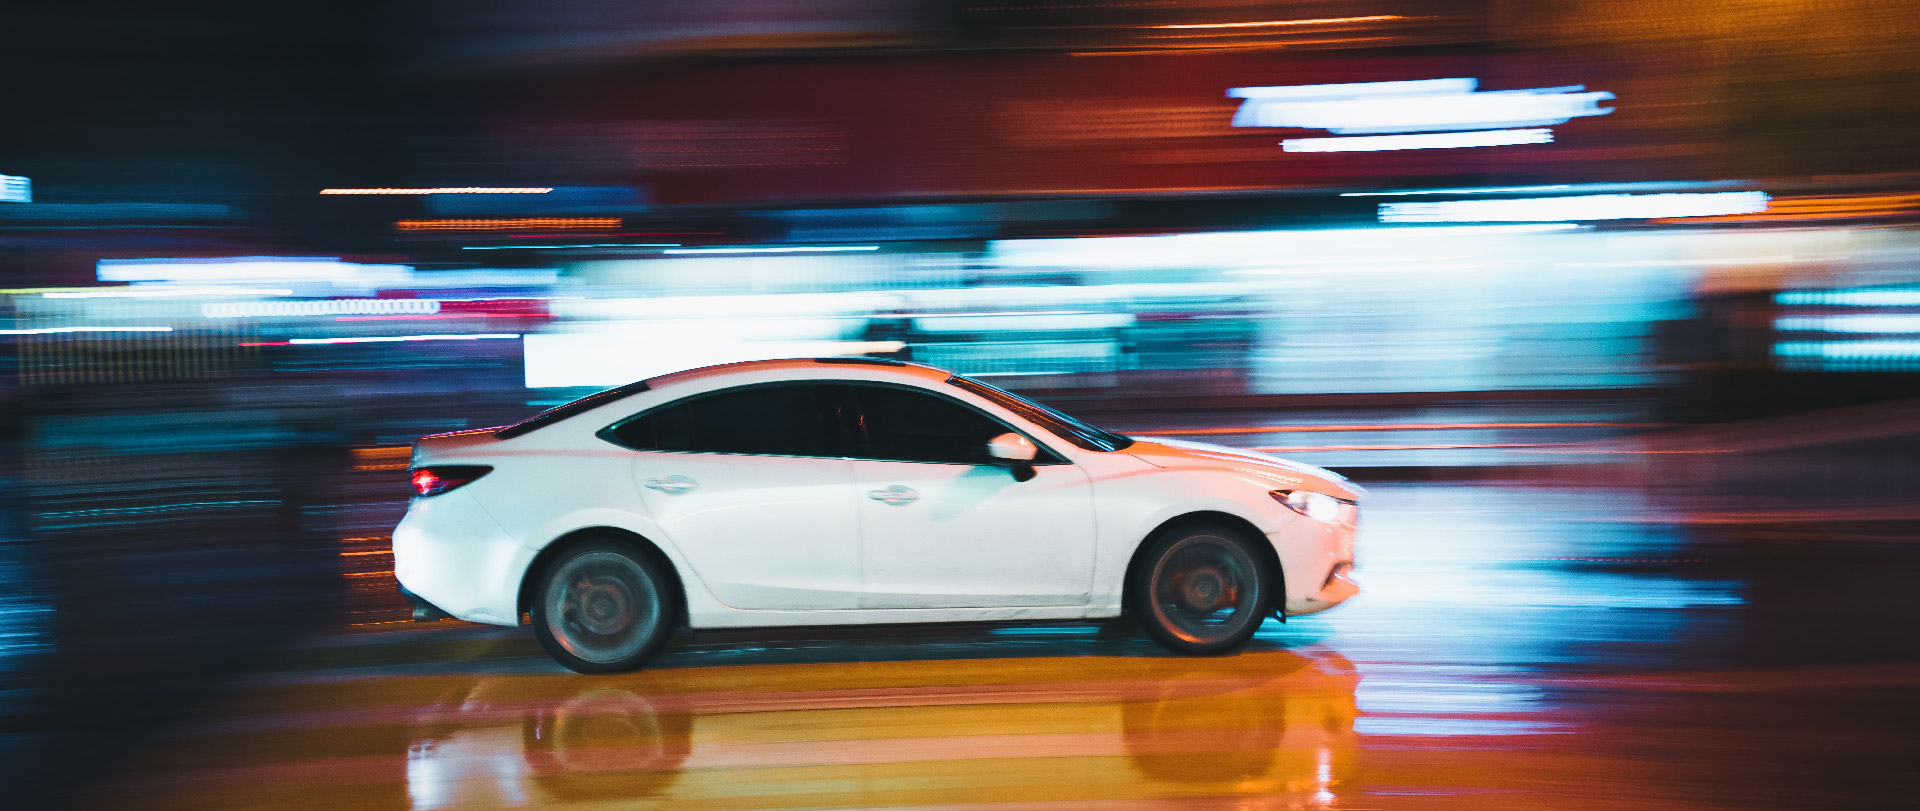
(882, 365)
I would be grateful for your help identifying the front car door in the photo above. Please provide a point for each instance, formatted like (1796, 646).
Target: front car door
(751, 485)
(944, 526)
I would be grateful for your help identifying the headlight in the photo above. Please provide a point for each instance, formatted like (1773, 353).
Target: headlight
(1317, 506)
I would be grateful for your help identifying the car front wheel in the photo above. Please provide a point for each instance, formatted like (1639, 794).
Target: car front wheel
(1202, 589)
(603, 607)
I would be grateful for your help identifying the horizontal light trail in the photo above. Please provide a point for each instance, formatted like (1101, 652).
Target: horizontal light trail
(1426, 140)
(1450, 426)
(783, 249)
(383, 339)
(69, 330)
(1578, 207)
(1449, 447)
(445, 190)
(1285, 23)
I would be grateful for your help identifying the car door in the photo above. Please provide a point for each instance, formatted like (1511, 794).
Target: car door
(751, 485)
(944, 526)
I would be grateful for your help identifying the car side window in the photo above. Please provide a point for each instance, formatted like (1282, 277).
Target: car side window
(781, 420)
(908, 425)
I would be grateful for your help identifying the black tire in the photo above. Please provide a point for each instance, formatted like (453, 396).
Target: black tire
(1202, 589)
(604, 607)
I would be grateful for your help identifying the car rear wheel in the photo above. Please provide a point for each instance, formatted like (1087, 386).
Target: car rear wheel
(603, 607)
(1202, 589)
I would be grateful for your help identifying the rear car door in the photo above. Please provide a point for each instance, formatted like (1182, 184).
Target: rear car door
(944, 526)
(751, 485)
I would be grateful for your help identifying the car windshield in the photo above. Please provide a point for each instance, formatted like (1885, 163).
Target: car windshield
(1072, 430)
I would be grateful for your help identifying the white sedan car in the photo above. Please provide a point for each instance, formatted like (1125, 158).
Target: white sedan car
(845, 491)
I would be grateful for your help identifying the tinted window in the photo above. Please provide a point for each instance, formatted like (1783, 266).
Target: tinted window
(914, 426)
(762, 420)
(1072, 430)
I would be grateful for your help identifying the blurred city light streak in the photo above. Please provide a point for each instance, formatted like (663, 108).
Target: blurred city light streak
(1858, 297)
(1831, 207)
(1428, 140)
(383, 339)
(67, 330)
(1488, 190)
(329, 307)
(1412, 106)
(166, 291)
(1405, 426)
(15, 189)
(776, 249)
(508, 224)
(252, 269)
(1283, 23)
(444, 190)
(1882, 324)
(1578, 208)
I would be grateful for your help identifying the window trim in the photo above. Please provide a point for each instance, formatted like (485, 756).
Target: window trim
(1046, 456)
(607, 434)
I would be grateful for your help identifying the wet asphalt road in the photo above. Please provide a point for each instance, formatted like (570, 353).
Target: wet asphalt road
(1514, 648)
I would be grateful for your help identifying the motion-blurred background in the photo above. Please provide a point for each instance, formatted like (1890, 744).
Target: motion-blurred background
(250, 251)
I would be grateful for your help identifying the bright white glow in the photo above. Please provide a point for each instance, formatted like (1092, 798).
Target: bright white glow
(64, 330)
(1492, 190)
(276, 309)
(443, 190)
(15, 189)
(167, 291)
(250, 269)
(393, 338)
(1875, 324)
(1869, 297)
(1240, 249)
(1849, 350)
(1427, 140)
(639, 351)
(1416, 106)
(1683, 263)
(1579, 207)
(1022, 322)
(792, 249)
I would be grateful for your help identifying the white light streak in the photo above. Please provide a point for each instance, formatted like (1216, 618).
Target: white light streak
(1416, 106)
(1428, 140)
(283, 309)
(167, 291)
(1285, 23)
(444, 190)
(1683, 263)
(67, 330)
(1578, 208)
(393, 338)
(1493, 190)
(250, 269)
(564, 247)
(1849, 350)
(1860, 324)
(784, 249)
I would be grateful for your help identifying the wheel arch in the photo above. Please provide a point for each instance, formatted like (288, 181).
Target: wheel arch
(552, 551)
(1267, 552)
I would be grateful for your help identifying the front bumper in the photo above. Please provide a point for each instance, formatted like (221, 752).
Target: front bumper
(1316, 562)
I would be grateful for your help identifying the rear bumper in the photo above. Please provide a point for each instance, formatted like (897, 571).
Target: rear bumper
(449, 554)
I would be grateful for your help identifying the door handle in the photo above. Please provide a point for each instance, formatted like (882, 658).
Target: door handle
(675, 483)
(896, 495)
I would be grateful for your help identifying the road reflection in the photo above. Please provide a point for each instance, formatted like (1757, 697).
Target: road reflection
(1275, 728)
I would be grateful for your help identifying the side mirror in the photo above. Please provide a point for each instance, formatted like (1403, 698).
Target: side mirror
(1016, 452)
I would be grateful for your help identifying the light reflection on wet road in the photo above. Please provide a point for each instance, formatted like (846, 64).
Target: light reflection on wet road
(1514, 648)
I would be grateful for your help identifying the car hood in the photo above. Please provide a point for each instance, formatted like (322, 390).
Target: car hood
(1174, 453)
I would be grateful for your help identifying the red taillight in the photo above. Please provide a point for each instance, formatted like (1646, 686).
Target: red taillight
(432, 481)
